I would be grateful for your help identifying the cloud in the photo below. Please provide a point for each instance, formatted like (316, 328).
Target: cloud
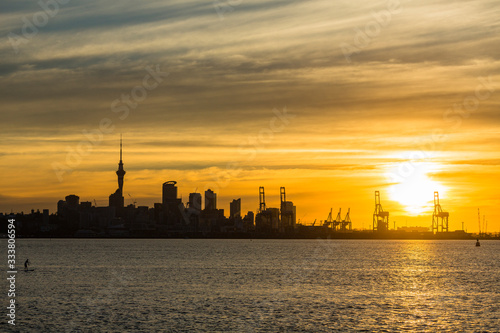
(486, 162)
(228, 73)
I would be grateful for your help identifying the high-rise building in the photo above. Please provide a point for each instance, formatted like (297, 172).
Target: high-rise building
(268, 220)
(158, 212)
(288, 216)
(169, 191)
(235, 208)
(46, 217)
(172, 207)
(195, 201)
(210, 200)
(72, 202)
(248, 220)
(68, 210)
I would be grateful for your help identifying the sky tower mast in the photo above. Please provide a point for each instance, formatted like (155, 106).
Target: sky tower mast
(120, 172)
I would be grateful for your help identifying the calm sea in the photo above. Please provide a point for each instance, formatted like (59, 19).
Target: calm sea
(190, 285)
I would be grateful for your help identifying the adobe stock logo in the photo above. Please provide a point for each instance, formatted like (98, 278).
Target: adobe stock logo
(31, 27)
(120, 106)
(250, 148)
(363, 38)
(225, 6)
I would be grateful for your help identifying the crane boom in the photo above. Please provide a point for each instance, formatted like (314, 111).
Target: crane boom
(479, 221)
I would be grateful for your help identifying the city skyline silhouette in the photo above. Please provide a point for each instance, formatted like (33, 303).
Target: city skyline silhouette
(197, 217)
(336, 111)
(121, 199)
(250, 165)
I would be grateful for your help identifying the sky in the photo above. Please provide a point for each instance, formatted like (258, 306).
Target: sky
(331, 99)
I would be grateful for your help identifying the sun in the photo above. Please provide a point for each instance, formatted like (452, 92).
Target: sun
(414, 189)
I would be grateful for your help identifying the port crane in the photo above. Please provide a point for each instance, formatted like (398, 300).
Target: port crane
(262, 199)
(286, 215)
(133, 200)
(479, 221)
(346, 224)
(440, 217)
(338, 220)
(380, 217)
(330, 222)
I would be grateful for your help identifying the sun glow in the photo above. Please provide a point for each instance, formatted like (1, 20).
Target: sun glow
(414, 189)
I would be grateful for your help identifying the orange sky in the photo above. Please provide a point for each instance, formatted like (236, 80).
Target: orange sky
(413, 110)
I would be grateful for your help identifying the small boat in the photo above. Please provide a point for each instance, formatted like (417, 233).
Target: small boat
(477, 243)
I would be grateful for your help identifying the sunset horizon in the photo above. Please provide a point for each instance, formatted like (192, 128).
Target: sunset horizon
(250, 165)
(406, 190)
(346, 101)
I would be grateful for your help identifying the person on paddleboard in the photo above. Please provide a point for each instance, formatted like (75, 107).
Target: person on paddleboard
(26, 264)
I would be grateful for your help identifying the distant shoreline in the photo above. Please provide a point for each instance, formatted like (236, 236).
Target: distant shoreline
(333, 236)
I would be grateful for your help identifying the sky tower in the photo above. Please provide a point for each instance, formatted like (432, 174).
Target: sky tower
(120, 172)
(116, 199)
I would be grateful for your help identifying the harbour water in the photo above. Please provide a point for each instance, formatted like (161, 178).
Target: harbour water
(211, 285)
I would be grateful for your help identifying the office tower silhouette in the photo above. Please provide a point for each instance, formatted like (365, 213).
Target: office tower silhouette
(235, 208)
(210, 200)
